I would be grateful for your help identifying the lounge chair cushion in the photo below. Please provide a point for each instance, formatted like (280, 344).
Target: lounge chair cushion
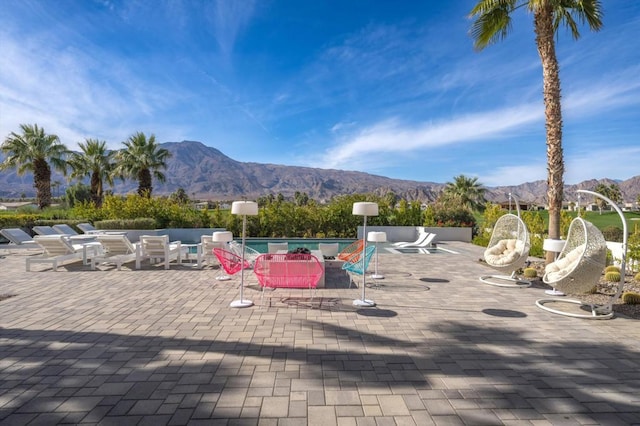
(563, 266)
(504, 252)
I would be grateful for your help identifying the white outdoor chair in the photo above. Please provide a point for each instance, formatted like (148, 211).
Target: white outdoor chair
(63, 228)
(422, 235)
(205, 253)
(45, 230)
(507, 252)
(18, 239)
(159, 248)
(117, 249)
(579, 266)
(329, 249)
(276, 247)
(425, 241)
(88, 228)
(57, 249)
(250, 254)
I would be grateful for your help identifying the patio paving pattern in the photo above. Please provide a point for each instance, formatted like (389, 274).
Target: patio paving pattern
(163, 347)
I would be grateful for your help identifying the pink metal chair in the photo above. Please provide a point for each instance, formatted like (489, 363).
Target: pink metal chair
(288, 270)
(230, 262)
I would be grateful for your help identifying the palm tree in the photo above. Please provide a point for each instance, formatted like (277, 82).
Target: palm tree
(612, 192)
(493, 22)
(95, 161)
(32, 151)
(466, 191)
(141, 159)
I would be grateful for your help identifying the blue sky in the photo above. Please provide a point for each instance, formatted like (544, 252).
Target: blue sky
(392, 88)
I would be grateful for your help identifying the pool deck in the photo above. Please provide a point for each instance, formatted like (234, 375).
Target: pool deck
(163, 347)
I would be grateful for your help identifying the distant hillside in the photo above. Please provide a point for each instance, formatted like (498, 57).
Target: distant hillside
(206, 173)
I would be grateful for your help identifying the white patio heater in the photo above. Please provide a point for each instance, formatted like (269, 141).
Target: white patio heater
(377, 237)
(222, 237)
(243, 208)
(364, 209)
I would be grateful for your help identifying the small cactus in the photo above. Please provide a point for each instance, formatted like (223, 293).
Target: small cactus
(593, 290)
(530, 272)
(612, 276)
(631, 298)
(612, 268)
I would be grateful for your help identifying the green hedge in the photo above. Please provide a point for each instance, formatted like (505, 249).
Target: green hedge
(140, 223)
(18, 220)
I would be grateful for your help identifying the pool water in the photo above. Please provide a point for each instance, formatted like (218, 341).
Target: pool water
(261, 244)
(422, 250)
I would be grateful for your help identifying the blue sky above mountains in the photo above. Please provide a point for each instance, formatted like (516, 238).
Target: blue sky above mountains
(389, 88)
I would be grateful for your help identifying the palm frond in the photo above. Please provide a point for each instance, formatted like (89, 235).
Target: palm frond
(492, 21)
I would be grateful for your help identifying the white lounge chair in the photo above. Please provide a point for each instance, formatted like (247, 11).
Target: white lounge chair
(88, 228)
(424, 241)
(422, 234)
(58, 248)
(158, 247)
(63, 228)
(45, 230)
(117, 249)
(18, 239)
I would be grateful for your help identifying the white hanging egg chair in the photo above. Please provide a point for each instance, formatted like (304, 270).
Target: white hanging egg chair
(580, 264)
(508, 250)
(579, 267)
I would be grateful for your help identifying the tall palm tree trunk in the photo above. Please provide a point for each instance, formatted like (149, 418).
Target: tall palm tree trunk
(42, 182)
(96, 189)
(543, 20)
(144, 183)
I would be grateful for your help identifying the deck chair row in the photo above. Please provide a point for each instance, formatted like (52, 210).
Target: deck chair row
(114, 249)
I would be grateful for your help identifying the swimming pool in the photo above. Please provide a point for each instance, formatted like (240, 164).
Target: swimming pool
(420, 250)
(261, 244)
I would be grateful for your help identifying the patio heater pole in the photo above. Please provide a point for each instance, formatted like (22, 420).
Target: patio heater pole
(364, 209)
(243, 208)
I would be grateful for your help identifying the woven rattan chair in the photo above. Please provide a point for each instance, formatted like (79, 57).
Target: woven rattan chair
(507, 252)
(580, 264)
(579, 268)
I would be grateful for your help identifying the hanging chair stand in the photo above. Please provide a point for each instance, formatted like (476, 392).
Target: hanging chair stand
(508, 228)
(597, 312)
(512, 281)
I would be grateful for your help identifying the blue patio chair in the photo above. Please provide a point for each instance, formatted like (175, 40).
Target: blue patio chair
(358, 265)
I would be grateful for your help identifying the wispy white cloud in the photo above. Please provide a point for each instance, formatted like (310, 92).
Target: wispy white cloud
(393, 136)
(514, 174)
(229, 18)
(598, 96)
(597, 164)
(71, 92)
(398, 137)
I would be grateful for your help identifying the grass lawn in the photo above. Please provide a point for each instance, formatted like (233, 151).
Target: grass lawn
(601, 221)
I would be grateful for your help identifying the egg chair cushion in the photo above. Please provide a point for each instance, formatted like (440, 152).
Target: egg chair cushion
(504, 252)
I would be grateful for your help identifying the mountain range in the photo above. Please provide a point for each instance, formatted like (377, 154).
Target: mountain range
(206, 173)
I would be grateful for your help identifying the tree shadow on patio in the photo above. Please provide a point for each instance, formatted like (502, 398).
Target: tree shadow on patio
(93, 376)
